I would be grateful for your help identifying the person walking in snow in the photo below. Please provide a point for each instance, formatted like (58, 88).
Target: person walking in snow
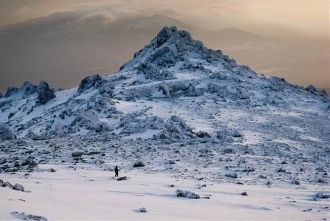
(116, 171)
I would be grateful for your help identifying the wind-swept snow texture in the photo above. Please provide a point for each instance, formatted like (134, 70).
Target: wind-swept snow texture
(181, 109)
(92, 194)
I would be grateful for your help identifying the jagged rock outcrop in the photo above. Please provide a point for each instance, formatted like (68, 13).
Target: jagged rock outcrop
(45, 93)
(174, 89)
(150, 71)
(176, 129)
(89, 82)
(11, 91)
(27, 88)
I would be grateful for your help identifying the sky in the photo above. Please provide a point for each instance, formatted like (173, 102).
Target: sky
(272, 17)
(301, 58)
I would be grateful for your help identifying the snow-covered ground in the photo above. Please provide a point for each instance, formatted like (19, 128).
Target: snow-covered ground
(74, 193)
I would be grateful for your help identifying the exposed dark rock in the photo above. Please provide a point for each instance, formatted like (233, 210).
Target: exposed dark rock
(203, 134)
(164, 35)
(138, 164)
(296, 182)
(311, 89)
(231, 175)
(29, 162)
(321, 195)
(122, 178)
(237, 134)
(141, 210)
(187, 194)
(170, 162)
(27, 88)
(244, 194)
(150, 71)
(6, 133)
(228, 151)
(28, 217)
(11, 91)
(18, 187)
(77, 154)
(89, 82)
(45, 93)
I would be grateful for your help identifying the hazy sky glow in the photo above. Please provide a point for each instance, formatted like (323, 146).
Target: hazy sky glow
(62, 41)
(272, 17)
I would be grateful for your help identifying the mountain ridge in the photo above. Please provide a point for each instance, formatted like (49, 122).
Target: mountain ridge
(174, 105)
(172, 66)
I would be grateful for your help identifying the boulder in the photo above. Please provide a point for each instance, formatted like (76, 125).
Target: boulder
(77, 154)
(18, 187)
(141, 210)
(237, 134)
(203, 134)
(228, 151)
(163, 87)
(6, 133)
(187, 194)
(244, 194)
(231, 175)
(321, 195)
(138, 164)
(122, 178)
(29, 162)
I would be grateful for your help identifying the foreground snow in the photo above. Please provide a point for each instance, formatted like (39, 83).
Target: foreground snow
(92, 194)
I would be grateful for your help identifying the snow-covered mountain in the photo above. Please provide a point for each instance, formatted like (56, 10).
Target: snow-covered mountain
(173, 88)
(176, 109)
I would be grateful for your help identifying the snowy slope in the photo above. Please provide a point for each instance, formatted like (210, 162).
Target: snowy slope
(173, 75)
(188, 113)
(175, 90)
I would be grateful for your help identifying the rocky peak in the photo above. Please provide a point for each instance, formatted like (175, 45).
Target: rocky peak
(45, 93)
(171, 33)
(28, 88)
(10, 91)
(171, 46)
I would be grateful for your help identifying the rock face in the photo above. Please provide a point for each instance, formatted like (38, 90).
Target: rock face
(176, 129)
(28, 88)
(89, 82)
(45, 94)
(11, 91)
(6, 133)
(150, 71)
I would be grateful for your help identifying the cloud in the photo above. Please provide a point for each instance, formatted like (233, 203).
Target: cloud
(103, 16)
